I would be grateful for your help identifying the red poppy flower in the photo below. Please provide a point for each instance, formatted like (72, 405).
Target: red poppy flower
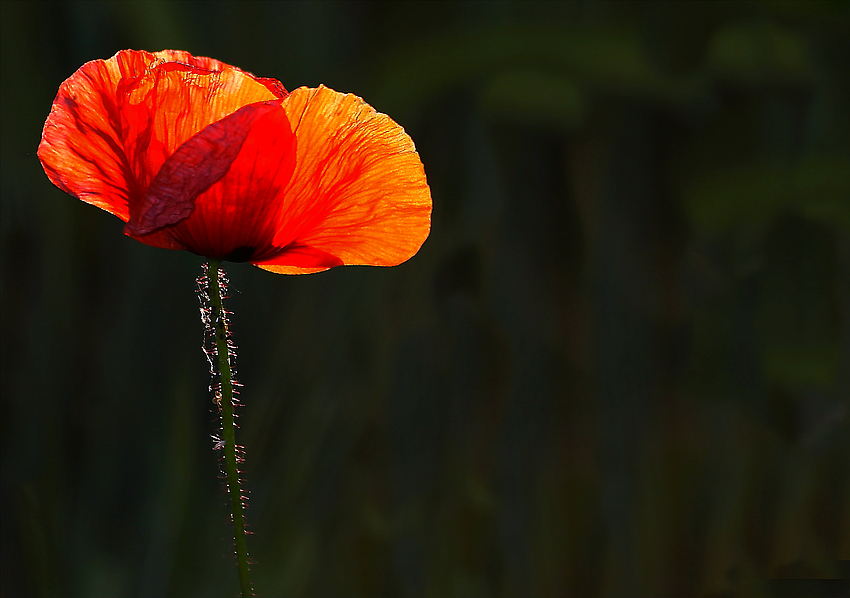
(198, 155)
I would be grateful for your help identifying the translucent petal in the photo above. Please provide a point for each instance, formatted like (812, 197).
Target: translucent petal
(114, 122)
(359, 190)
(238, 214)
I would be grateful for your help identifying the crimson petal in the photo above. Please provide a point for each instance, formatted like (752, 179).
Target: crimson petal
(196, 166)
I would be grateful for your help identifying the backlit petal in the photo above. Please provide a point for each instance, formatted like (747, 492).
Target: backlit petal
(359, 191)
(196, 165)
(114, 122)
(236, 217)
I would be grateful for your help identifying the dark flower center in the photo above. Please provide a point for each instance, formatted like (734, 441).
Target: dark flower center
(240, 254)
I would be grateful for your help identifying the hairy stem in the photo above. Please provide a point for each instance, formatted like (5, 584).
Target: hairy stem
(218, 320)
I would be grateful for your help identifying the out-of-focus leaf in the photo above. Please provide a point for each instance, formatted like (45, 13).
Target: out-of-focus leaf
(758, 54)
(823, 185)
(818, 187)
(746, 194)
(607, 57)
(800, 366)
(532, 97)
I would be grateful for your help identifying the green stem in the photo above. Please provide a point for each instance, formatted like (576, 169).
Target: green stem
(228, 427)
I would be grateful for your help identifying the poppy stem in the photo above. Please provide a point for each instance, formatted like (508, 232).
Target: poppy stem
(218, 320)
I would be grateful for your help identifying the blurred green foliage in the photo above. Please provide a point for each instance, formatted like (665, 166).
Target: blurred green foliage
(618, 367)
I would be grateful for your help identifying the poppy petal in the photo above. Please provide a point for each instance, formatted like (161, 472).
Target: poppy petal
(359, 190)
(192, 169)
(114, 122)
(236, 218)
(302, 259)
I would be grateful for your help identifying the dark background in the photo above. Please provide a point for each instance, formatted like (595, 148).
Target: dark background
(619, 366)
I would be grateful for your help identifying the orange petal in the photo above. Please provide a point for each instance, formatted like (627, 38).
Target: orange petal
(114, 122)
(301, 259)
(359, 190)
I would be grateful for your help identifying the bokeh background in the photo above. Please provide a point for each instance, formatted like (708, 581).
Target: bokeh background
(618, 367)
